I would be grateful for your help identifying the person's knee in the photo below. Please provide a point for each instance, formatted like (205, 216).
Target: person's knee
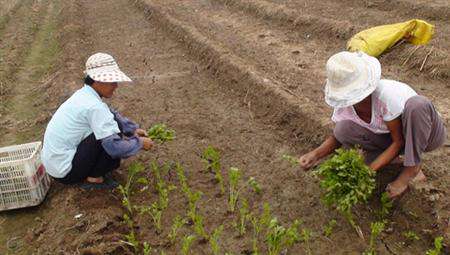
(341, 130)
(417, 104)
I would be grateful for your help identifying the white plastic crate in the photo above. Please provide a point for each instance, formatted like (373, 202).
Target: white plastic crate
(23, 180)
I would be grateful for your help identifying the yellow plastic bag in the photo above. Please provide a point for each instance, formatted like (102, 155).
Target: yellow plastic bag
(374, 41)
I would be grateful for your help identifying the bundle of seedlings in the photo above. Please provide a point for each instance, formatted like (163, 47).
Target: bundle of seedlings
(347, 181)
(160, 133)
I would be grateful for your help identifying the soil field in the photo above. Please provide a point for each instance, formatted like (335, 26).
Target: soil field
(245, 77)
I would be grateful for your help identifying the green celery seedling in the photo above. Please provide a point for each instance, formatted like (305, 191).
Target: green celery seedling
(258, 225)
(254, 185)
(411, 236)
(155, 212)
(147, 250)
(386, 206)
(306, 236)
(278, 237)
(160, 133)
(234, 177)
(199, 228)
(130, 238)
(329, 227)
(437, 246)
(178, 222)
(347, 181)
(161, 186)
(291, 159)
(375, 230)
(186, 244)
(275, 237)
(244, 216)
(214, 240)
(256, 230)
(133, 170)
(211, 158)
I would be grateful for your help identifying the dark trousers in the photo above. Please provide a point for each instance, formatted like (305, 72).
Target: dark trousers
(90, 160)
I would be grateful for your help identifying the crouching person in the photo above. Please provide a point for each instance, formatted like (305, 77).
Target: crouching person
(384, 117)
(85, 140)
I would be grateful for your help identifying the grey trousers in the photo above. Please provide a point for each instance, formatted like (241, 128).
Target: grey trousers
(423, 131)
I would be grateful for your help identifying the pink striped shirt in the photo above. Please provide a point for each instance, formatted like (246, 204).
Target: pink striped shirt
(388, 103)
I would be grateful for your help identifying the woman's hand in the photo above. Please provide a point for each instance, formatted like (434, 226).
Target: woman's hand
(147, 143)
(140, 133)
(308, 160)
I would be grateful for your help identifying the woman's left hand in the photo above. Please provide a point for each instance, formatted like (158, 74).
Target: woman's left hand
(140, 132)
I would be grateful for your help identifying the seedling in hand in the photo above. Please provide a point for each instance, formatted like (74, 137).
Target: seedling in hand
(347, 181)
(160, 133)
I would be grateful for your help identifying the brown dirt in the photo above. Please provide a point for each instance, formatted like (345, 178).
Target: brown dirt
(244, 80)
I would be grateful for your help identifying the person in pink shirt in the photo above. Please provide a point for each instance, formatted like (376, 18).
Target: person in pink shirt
(385, 118)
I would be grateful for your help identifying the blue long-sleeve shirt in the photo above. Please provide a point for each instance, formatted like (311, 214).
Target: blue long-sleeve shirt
(125, 144)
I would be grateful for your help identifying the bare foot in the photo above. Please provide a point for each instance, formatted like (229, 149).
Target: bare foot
(95, 179)
(420, 177)
(400, 185)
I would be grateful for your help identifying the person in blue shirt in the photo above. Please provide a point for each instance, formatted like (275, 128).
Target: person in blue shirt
(85, 139)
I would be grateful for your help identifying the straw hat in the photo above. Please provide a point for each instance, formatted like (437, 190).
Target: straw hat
(102, 67)
(351, 77)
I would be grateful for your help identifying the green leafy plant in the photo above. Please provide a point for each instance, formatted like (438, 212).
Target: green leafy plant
(329, 228)
(305, 237)
(234, 177)
(199, 228)
(214, 240)
(278, 237)
(244, 217)
(147, 249)
(291, 159)
(155, 212)
(386, 206)
(178, 222)
(160, 133)
(259, 223)
(256, 231)
(133, 170)
(266, 216)
(192, 197)
(411, 236)
(125, 191)
(211, 158)
(347, 181)
(186, 244)
(130, 238)
(375, 230)
(161, 186)
(436, 250)
(254, 185)
(182, 179)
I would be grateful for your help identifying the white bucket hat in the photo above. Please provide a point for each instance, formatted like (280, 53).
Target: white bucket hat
(102, 67)
(351, 77)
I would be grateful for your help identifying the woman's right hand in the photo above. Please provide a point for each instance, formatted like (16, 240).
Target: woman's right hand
(147, 143)
(308, 160)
